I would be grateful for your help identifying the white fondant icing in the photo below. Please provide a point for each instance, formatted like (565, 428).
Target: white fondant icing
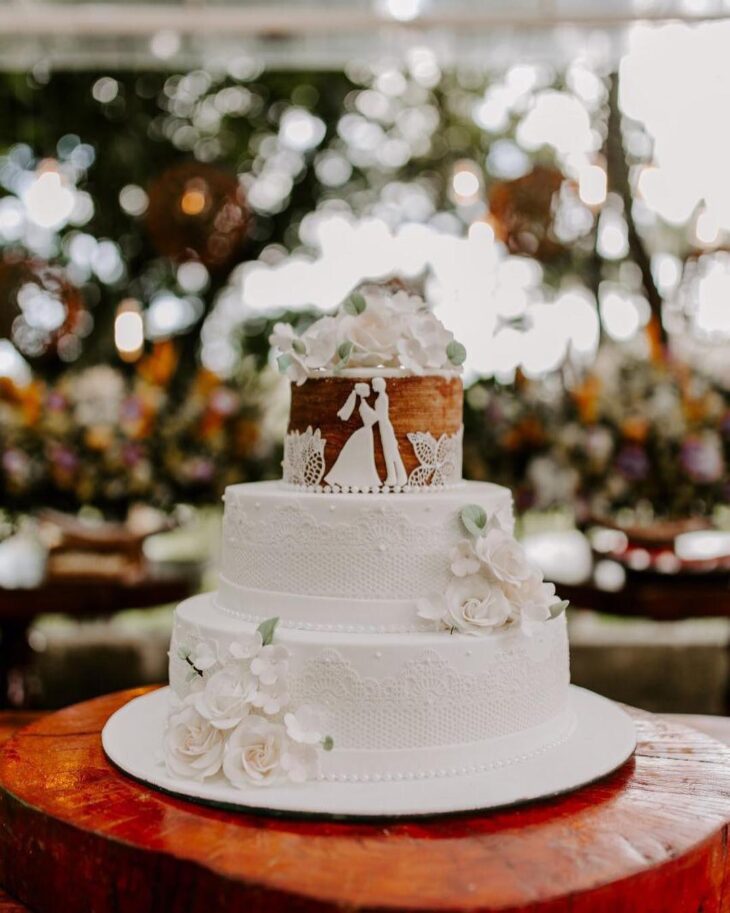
(430, 701)
(296, 546)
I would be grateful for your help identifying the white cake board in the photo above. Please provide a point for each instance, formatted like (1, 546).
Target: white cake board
(602, 739)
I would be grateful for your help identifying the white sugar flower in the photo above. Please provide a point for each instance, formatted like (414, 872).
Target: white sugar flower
(463, 559)
(306, 724)
(475, 605)
(431, 609)
(225, 699)
(535, 601)
(300, 762)
(271, 664)
(291, 349)
(423, 345)
(320, 340)
(372, 333)
(246, 647)
(193, 748)
(254, 753)
(203, 656)
(270, 698)
(503, 556)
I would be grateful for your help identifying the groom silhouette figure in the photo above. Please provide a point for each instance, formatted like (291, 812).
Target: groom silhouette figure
(396, 472)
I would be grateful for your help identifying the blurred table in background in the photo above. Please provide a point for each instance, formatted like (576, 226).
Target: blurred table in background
(80, 599)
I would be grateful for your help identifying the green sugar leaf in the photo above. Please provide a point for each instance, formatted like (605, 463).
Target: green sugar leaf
(299, 346)
(355, 304)
(266, 630)
(557, 608)
(474, 519)
(328, 743)
(456, 353)
(284, 362)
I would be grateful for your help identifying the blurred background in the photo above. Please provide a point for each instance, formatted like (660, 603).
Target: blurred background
(175, 178)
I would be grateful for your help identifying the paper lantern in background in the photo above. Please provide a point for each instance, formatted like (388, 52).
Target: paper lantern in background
(41, 311)
(198, 211)
(523, 210)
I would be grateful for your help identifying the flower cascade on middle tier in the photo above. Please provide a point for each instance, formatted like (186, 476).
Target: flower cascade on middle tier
(493, 583)
(236, 717)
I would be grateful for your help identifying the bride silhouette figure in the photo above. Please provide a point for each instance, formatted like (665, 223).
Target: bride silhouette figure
(355, 465)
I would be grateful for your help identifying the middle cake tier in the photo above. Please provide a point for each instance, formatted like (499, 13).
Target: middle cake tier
(343, 562)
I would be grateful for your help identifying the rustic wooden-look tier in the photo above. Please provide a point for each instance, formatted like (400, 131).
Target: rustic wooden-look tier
(432, 403)
(76, 835)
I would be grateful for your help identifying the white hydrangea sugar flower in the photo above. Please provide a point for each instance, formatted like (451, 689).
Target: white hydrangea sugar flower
(246, 647)
(204, 656)
(254, 752)
(503, 557)
(464, 560)
(291, 349)
(270, 699)
(306, 724)
(475, 605)
(423, 345)
(535, 601)
(300, 762)
(271, 664)
(193, 748)
(226, 696)
(320, 341)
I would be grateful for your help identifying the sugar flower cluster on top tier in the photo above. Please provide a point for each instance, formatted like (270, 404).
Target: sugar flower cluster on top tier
(493, 584)
(236, 716)
(374, 328)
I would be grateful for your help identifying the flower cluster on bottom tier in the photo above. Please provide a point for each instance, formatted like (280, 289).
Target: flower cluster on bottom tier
(358, 707)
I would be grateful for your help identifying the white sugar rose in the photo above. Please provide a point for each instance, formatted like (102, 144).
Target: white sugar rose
(424, 342)
(503, 556)
(321, 343)
(475, 605)
(372, 333)
(271, 664)
(254, 752)
(226, 697)
(463, 559)
(193, 748)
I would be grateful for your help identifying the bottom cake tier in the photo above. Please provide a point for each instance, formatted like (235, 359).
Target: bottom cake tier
(397, 706)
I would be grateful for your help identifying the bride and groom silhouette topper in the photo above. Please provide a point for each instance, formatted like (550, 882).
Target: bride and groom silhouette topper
(355, 464)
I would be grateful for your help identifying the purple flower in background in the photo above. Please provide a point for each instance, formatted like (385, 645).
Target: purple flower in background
(56, 401)
(702, 459)
(131, 409)
(132, 454)
(64, 458)
(201, 470)
(632, 462)
(16, 464)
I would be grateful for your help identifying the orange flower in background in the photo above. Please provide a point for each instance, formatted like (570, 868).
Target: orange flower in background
(585, 396)
(159, 365)
(28, 399)
(635, 428)
(528, 432)
(247, 434)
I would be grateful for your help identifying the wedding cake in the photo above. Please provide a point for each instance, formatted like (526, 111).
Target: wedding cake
(377, 627)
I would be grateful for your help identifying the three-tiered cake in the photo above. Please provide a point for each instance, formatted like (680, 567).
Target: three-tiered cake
(377, 627)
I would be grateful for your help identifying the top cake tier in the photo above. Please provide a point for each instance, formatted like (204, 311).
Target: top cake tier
(377, 398)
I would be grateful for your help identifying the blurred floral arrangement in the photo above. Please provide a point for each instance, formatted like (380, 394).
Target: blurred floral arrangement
(111, 437)
(634, 435)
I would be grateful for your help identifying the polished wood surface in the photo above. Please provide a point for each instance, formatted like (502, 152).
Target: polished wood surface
(76, 835)
(429, 403)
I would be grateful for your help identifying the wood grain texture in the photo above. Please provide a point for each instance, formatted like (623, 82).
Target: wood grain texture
(78, 836)
(430, 403)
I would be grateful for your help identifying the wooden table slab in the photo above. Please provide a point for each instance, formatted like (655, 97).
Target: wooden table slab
(78, 836)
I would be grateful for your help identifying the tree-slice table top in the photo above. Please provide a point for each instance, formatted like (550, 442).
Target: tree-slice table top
(76, 836)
